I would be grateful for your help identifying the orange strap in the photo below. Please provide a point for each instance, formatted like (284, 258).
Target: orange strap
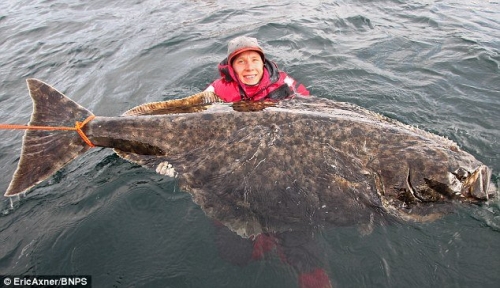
(78, 128)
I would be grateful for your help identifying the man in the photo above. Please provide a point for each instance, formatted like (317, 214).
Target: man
(246, 74)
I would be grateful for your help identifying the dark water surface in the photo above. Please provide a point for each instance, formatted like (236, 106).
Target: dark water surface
(432, 64)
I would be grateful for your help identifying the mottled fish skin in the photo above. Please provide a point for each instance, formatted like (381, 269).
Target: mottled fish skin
(301, 163)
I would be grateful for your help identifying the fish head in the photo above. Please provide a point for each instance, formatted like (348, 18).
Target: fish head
(472, 186)
(427, 197)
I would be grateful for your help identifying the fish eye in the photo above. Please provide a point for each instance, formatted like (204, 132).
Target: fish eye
(461, 173)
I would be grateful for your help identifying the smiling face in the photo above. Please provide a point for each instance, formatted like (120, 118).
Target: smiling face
(249, 67)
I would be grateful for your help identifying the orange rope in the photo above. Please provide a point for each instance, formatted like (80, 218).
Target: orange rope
(78, 128)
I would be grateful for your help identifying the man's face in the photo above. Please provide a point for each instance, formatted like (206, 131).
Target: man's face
(249, 67)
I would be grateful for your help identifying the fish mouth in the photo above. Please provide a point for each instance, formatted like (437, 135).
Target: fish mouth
(462, 185)
(473, 186)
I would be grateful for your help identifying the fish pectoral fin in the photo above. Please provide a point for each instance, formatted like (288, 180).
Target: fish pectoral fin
(165, 168)
(194, 103)
(159, 164)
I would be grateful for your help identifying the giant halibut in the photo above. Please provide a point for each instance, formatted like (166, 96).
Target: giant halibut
(267, 167)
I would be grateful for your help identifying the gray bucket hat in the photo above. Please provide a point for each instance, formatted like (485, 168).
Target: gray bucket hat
(241, 44)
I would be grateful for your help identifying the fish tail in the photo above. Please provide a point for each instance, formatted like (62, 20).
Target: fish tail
(44, 152)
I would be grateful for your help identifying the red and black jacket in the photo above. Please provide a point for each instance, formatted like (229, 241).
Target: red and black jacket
(275, 85)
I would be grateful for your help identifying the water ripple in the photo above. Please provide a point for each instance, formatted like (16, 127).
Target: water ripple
(432, 64)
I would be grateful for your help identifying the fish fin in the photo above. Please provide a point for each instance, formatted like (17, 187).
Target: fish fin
(157, 163)
(45, 152)
(194, 103)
